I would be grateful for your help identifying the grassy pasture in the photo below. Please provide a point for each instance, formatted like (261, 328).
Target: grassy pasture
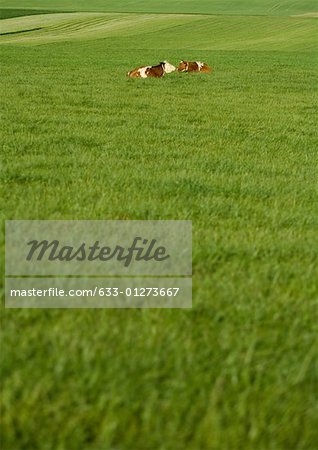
(166, 31)
(236, 7)
(9, 13)
(236, 153)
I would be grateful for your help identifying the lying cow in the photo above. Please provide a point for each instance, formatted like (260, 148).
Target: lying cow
(152, 71)
(196, 66)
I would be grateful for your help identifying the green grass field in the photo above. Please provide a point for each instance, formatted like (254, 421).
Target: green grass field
(235, 152)
(228, 7)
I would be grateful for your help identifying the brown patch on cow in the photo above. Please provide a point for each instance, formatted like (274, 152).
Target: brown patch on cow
(183, 66)
(156, 71)
(193, 66)
(135, 72)
(150, 72)
(205, 68)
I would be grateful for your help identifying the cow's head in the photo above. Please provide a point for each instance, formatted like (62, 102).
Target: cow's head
(168, 68)
(183, 66)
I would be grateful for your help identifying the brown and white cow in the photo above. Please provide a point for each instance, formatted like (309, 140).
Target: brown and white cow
(194, 66)
(152, 71)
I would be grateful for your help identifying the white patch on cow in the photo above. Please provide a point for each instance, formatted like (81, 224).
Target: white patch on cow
(143, 70)
(200, 64)
(168, 68)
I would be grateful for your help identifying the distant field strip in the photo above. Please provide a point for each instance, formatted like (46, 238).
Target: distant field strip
(237, 7)
(7, 13)
(66, 26)
(168, 31)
